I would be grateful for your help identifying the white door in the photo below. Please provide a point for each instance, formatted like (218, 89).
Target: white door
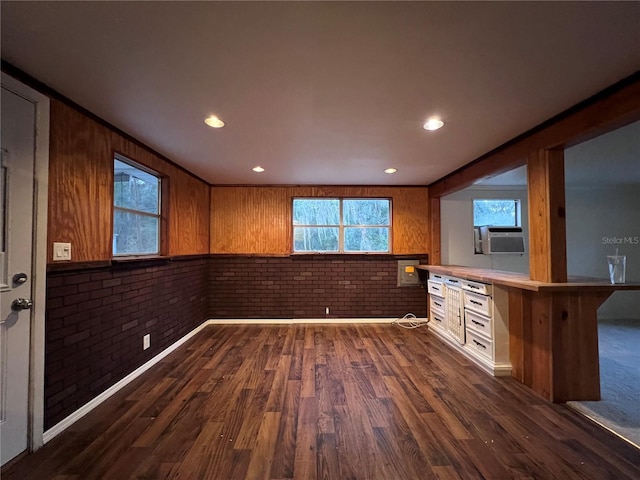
(16, 232)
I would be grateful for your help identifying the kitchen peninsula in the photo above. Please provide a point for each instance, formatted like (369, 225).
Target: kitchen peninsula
(552, 329)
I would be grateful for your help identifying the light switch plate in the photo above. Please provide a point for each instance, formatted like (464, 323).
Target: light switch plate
(61, 251)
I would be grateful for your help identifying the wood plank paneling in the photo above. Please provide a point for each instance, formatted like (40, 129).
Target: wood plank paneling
(257, 220)
(516, 333)
(576, 366)
(251, 220)
(410, 220)
(555, 343)
(547, 226)
(538, 372)
(81, 189)
(189, 215)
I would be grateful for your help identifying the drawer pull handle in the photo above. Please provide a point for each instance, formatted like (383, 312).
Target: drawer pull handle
(477, 323)
(479, 344)
(475, 303)
(474, 286)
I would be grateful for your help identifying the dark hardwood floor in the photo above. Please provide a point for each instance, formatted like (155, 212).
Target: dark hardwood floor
(326, 402)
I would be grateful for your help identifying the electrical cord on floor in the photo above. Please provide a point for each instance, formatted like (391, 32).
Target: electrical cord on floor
(409, 321)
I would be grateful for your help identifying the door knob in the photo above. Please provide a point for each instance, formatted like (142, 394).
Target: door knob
(21, 304)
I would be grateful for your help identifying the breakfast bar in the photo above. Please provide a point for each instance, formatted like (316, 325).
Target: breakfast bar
(552, 329)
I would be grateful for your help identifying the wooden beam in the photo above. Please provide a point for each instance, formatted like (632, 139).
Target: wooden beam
(547, 226)
(612, 108)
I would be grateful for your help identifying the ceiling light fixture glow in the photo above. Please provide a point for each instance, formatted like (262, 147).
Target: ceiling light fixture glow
(391, 170)
(214, 121)
(258, 169)
(433, 124)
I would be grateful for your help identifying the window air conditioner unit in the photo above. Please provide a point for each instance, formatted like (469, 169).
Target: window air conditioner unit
(502, 240)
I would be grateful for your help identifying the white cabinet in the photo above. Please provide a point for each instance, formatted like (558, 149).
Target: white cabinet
(437, 303)
(454, 311)
(473, 318)
(478, 303)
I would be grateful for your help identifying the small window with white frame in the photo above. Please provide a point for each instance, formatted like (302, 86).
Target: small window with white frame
(136, 209)
(341, 225)
(496, 212)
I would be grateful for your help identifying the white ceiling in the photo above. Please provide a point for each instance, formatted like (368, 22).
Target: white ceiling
(323, 92)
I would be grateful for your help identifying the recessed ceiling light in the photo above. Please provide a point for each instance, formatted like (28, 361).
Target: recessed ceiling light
(433, 124)
(391, 170)
(214, 121)
(258, 169)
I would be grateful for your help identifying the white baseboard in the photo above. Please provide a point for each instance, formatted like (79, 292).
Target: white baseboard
(82, 411)
(86, 408)
(291, 321)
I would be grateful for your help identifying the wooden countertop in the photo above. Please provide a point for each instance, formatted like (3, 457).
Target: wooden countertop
(522, 281)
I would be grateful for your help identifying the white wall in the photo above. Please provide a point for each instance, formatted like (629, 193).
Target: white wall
(596, 217)
(456, 216)
(603, 207)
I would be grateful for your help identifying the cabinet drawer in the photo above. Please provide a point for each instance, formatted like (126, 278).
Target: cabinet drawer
(437, 320)
(476, 287)
(479, 344)
(436, 303)
(435, 288)
(478, 303)
(454, 282)
(436, 277)
(479, 323)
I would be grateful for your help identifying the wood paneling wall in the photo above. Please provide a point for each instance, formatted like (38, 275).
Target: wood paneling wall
(81, 189)
(257, 220)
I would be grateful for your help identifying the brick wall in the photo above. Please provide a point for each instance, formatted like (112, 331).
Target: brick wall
(357, 286)
(96, 319)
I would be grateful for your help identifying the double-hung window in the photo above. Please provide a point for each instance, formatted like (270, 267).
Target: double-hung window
(342, 225)
(136, 209)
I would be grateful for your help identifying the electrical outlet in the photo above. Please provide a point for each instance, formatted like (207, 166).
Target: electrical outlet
(146, 341)
(326, 310)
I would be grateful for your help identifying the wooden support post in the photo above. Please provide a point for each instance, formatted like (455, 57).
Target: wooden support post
(547, 227)
(435, 257)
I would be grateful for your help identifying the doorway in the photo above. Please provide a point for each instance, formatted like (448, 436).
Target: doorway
(23, 207)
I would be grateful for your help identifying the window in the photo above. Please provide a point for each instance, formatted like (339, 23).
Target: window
(136, 209)
(503, 213)
(341, 225)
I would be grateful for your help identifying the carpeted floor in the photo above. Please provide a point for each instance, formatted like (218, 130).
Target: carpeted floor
(619, 409)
